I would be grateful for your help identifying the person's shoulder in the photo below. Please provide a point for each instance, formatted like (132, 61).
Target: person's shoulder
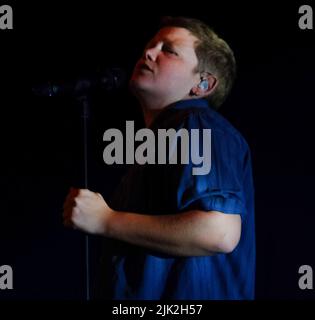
(221, 128)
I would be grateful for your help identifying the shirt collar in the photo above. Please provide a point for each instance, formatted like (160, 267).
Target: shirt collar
(180, 105)
(184, 104)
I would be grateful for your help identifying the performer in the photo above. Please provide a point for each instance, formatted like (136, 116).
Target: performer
(170, 234)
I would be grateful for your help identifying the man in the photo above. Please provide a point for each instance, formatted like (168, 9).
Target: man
(171, 234)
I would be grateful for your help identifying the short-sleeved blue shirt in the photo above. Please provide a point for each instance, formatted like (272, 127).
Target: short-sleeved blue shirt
(132, 272)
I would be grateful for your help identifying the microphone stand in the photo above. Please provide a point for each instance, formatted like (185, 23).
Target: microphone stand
(111, 79)
(85, 114)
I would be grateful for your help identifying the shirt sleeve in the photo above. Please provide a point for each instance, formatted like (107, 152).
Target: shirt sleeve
(221, 189)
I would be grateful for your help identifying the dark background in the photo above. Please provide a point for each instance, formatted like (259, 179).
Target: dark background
(41, 139)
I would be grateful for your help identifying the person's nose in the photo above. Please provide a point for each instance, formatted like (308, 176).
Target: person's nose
(151, 53)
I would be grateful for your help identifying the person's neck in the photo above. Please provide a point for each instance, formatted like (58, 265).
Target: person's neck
(151, 108)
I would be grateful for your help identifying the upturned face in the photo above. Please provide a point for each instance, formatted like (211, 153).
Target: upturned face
(166, 70)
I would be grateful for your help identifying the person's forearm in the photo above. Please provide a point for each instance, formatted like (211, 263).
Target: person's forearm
(191, 233)
(185, 234)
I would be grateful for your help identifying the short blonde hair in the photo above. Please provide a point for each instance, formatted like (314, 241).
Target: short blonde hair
(213, 53)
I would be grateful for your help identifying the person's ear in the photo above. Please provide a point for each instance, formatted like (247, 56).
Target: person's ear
(206, 86)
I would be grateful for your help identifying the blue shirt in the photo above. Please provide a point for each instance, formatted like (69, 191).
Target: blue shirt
(132, 272)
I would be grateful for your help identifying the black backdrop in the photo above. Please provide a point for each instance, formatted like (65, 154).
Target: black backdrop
(41, 148)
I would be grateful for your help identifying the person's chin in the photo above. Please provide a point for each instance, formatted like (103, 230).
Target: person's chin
(138, 83)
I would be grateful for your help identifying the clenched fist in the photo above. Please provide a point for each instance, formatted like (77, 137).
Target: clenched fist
(87, 211)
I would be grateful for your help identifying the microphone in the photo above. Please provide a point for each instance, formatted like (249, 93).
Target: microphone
(108, 80)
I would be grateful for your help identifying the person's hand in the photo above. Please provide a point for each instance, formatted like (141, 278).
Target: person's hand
(87, 211)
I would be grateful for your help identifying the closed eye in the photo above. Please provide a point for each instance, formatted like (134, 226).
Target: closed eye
(168, 49)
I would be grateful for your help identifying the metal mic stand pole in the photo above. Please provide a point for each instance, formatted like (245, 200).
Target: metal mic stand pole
(83, 100)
